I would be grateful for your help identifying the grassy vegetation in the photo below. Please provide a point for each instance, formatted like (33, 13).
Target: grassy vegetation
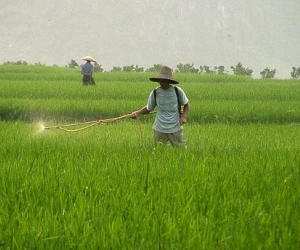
(33, 93)
(236, 187)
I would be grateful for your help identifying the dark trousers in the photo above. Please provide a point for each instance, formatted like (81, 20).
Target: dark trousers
(88, 80)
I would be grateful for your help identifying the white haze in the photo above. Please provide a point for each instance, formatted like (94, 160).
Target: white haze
(257, 33)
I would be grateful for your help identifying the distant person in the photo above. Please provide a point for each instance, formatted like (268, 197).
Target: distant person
(167, 126)
(87, 71)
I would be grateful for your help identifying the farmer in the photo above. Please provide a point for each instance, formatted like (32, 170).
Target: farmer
(167, 126)
(87, 70)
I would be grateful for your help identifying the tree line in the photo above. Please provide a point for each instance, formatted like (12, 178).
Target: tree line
(238, 69)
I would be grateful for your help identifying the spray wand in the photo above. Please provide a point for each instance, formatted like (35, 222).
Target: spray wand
(89, 124)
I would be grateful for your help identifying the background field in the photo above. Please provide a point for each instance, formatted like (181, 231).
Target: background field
(236, 187)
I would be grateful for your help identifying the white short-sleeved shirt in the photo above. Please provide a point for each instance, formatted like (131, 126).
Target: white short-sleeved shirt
(167, 117)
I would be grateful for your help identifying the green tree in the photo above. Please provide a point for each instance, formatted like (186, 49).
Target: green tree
(16, 63)
(128, 68)
(295, 74)
(116, 69)
(138, 69)
(205, 69)
(219, 70)
(98, 68)
(72, 64)
(39, 64)
(186, 68)
(155, 68)
(267, 73)
(240, 70)
(132, 68)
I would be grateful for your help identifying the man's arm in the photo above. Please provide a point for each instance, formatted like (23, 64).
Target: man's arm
(139, 112)
(186, 110)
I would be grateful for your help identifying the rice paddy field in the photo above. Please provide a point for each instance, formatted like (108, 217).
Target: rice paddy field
(106, 187)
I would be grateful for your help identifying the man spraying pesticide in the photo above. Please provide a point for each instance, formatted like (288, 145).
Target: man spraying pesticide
(169, 120)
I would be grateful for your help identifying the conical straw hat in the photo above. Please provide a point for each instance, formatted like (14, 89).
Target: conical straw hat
(89, 58)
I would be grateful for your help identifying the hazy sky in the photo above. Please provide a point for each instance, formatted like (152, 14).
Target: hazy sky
(257, 33)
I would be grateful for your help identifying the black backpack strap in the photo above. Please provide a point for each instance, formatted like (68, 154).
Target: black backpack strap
(178, 100)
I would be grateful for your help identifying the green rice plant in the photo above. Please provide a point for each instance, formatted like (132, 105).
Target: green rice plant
(106, 187)
(214, 99)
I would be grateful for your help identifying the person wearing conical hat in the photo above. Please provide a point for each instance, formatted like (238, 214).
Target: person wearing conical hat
(168, 99)
(87, 71)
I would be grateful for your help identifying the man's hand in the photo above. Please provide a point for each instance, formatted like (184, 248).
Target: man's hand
(182, 120)
(134, 115)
